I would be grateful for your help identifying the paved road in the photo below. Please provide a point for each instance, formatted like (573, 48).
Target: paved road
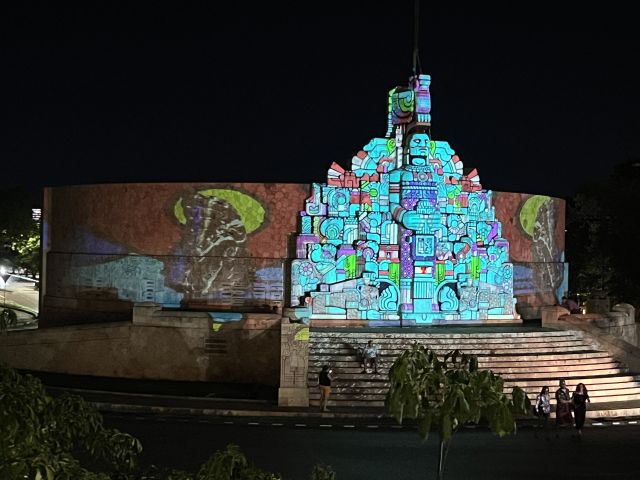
(369, 452)
(21, 295)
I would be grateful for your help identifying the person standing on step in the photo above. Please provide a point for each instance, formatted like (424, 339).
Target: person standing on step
(563, 407)
(324, 383)
(580, 398)
(370, 357)
(543, 409)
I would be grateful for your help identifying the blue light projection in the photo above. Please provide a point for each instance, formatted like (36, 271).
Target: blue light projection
(404, 237)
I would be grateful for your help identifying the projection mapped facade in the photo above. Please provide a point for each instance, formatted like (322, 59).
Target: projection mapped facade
(404, 237)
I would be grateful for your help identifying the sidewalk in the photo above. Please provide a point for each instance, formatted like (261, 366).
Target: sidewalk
(200, 399)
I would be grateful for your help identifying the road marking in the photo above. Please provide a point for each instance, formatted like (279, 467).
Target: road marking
(277, 424)
(632, 422)
(326, 426)
(349, 426)
(598, 424)
(253, 423)
(228, 423)
(616, 423)
(301, 424)
(396, 426)
(372, 426)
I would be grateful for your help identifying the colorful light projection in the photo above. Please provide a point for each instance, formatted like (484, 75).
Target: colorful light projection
(404, 237)
(209, 264)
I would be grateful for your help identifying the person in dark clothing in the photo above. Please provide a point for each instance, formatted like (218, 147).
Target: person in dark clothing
(571, 305)
(580, 398)
(324, 383)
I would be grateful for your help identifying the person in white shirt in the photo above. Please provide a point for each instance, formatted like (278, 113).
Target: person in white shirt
(370, 357)
(543, 409)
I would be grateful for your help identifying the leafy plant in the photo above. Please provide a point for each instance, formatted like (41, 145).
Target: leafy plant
(322, 472)
(46, 438)
(231, 464)
(42, 435)
(443, 395)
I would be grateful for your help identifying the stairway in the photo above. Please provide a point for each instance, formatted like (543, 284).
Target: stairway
(527, 357)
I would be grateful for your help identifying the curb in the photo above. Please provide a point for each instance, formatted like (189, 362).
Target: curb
(227, 412)
(233, 412)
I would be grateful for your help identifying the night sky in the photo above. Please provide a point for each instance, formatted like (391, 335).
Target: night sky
(537, 103)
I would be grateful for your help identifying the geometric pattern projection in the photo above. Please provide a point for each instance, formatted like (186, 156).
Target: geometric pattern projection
(403, 237)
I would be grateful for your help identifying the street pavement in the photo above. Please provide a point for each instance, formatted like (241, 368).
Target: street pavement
(371, 451)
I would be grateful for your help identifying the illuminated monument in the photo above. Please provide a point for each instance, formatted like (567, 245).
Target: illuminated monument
(404, 237)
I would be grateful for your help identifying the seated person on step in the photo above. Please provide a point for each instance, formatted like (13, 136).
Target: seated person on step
(571, 305)
(370, 357)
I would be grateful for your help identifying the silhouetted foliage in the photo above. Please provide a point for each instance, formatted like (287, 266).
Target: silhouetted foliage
(43, 438)
(19, 233)
(602, 228)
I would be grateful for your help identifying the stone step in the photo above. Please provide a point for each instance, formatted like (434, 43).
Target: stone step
(596, 383)
(551, 378)
(484, 359)
(368, 335)
(332, 350)
(317, 361)
(593, 380)
(341, 369)
(364, 399)
(629, 388)
(448, 345)
(445, 340)
(528, 359)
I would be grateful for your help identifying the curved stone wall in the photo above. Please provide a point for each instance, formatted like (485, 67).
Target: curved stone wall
(226, 247)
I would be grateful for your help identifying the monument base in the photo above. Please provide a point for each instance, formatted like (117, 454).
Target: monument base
(335, 321)
(293, 397)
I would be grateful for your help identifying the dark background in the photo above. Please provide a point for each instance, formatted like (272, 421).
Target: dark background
(538, 100)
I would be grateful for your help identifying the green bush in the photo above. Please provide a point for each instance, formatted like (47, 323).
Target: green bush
(44, 438)
(43, 435)
(322, 472)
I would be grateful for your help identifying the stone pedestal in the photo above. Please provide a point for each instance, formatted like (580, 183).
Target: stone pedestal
(626, 308)
(293, 397)
(551, 314)
(294, 359)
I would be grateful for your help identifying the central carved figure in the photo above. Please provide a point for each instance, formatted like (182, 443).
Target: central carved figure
(404, 237)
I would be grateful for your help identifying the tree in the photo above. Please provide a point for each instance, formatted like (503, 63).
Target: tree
(19, 233)
(44, 438)
(601, 227)
(26, 246)
(43, 435)
(446, 394)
